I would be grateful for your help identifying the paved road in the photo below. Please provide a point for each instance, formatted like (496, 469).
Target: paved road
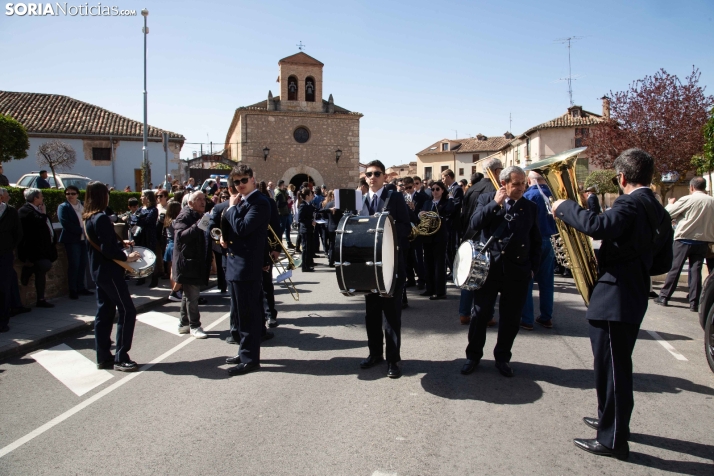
(311, 410)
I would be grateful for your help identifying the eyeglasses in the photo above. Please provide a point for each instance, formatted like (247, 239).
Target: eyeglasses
(376, 174)
(435, 189)
(244, 180)
(70, 193)
(408, 188)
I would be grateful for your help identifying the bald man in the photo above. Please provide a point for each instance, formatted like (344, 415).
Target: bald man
(538, 192)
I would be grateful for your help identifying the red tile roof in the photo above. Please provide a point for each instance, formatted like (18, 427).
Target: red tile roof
(587, 118)
(301, 58)
(56, 114)
(472, 144)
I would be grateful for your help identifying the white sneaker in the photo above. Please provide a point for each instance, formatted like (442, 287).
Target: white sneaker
(198, 333)
(174, 297)
(184, 329)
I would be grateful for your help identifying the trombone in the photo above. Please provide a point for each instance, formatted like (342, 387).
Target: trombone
(284, 272)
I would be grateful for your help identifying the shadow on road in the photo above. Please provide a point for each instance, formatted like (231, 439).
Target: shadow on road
(698, 450)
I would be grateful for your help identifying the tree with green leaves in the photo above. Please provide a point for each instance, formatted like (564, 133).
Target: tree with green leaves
(704, 162)
(602, 181)
(13, 139)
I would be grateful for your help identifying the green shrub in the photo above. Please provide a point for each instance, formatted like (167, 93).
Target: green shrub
(54, 198)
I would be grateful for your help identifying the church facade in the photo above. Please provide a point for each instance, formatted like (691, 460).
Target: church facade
(304, 136)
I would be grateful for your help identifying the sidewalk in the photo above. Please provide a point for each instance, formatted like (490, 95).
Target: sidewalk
(31, 330)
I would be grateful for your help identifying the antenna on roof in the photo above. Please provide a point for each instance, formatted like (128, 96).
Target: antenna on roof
(457, 133)
(300, 45)
(570, 78)
(510, 122)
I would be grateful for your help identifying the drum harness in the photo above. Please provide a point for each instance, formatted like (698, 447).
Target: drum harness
(123, 264)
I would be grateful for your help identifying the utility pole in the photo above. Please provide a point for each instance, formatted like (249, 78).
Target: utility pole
(145, 150)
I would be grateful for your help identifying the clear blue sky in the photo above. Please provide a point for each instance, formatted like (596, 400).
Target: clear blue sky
(418, 70)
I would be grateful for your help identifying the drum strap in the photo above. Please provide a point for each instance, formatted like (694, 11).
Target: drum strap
(389, 195)
(499, 232)
(123, 264)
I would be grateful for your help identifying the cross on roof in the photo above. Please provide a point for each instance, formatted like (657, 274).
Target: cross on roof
(300, 45)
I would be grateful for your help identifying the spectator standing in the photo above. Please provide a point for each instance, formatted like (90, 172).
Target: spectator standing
(306, 218)
(593, 201)
(16, 306)
(538, 193)
(3, 180)
(10, 236)
(282, 201)
(37, 248)
(146, 227)
(692, 236)
(271, 190)
(172, 211)
(72, 236)
(191, 261)
(42, 180)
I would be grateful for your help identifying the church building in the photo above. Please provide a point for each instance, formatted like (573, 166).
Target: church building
(297, 135)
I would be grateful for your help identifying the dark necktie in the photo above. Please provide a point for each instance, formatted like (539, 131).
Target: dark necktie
(510, 202)
(373, 205)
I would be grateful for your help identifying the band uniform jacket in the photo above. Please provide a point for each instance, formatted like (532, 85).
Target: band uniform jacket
(468, 207)
(333, 219)
(247, 231)
(624, 260)
(37, 242)
(217, 222)
(446, 210)
(517, 253)
(306, 214)
(594, 203)
(456, 195)
(100, 231)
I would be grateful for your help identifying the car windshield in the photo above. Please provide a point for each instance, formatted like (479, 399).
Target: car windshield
(80, 183)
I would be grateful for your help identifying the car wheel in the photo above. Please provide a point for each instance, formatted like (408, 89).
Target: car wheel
(709, 339)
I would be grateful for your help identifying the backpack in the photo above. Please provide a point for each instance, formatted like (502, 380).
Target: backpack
(662, 240)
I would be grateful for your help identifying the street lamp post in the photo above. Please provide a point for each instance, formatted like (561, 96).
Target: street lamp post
(145, 150)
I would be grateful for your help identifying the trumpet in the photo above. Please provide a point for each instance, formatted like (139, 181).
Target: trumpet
(216, 234)
(284, 272)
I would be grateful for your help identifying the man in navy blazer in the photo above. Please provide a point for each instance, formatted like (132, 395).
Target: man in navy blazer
(245, 234)
(619, 299)
(515, 257)
(378, 197)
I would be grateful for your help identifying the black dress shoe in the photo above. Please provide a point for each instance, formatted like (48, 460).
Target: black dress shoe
(505, 369)
(45, 304)
(308, 270)
(694, 308)
(140, 281)
(660, 301)
(233, 360)
(371, 361)
(393, 370)
(653, 295)
(595, 447)
(4, 328)
(469, 366)
(202, 300)
(437, 297)
(73, 295)
(231, 340)
(85, 292)
(242, 369)
(591, 422)
(267, 336)
(106, 365)
(425, 293)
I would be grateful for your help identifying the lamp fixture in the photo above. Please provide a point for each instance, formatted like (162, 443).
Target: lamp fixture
(338, 154)
(266, 151)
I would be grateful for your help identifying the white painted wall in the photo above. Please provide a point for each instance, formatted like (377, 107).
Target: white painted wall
(127, 157)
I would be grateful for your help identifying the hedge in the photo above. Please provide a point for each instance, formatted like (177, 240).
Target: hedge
(53, 198)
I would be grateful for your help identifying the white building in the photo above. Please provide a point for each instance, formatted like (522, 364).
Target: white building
(108, 145)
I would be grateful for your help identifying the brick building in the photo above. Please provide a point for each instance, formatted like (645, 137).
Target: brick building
(303, 134)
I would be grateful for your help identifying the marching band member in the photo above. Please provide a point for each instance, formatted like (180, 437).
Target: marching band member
(515, 256)
(146, 221)
(436, 244)
(246, 221)
(112, 291)
(271, 253)
(306, 218)
(377, 198)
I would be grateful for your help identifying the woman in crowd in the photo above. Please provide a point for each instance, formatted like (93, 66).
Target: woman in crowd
(324, 232)
(146, 222)
(75, 244)
(112, 292)
(172, 211)
(10, 235)
(306, 218)
(435, 245)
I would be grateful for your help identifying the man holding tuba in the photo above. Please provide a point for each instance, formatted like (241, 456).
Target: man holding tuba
(515, 257)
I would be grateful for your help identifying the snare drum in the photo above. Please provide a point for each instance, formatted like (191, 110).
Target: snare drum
(144, 266)
(367, 254)
(471, 265)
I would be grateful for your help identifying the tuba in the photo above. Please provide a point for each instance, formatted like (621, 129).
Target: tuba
(575, 248)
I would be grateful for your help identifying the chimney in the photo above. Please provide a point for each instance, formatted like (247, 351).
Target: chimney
(331, 105)
(508, 135)
(271, 102)
(605, 107)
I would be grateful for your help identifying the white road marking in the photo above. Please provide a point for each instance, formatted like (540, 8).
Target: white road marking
(161, 321)
(77, 372)
(667, 346)
(81, 406)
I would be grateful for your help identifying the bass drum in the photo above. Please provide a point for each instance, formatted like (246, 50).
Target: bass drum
(367, 254)
(471, 266)
(144, 266)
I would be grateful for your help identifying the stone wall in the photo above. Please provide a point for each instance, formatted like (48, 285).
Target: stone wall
(56, 280)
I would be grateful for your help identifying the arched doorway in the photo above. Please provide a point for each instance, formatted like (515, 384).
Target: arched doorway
(297, 175)
(299, 179)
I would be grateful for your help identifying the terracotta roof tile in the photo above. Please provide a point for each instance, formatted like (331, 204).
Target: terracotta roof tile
(300, 58)
(56, 114)
(472, 144)
(567, 120)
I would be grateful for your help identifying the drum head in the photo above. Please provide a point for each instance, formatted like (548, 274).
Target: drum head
(388, 255)
(462, 263)
(147, 260)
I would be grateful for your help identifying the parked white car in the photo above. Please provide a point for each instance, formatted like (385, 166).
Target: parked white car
(65, 180)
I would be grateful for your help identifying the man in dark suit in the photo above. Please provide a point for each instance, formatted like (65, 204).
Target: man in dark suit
(415, 253)
(468, 208)
(42, 180)
(378, 197)
(456, 195)
(515, 255)
(37, 248)
(271, 253)
(245, 232)
(619, 299)
(593, 201)
(333, 217)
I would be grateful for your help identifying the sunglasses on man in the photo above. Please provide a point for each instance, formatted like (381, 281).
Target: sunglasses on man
(376, 174)
(244, 180)
(71, 193)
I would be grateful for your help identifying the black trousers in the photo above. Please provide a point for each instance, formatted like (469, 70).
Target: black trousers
(415, 261)
(113, 295)
(435, 266)
(384, 318)
(7, 275)
(308, 249)
(452, 246)
(39, 268)
(247, 318)
(513, 297)
(696, 255)
(220, 270)
(612, 344)
(331, 253)
(269, 295)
